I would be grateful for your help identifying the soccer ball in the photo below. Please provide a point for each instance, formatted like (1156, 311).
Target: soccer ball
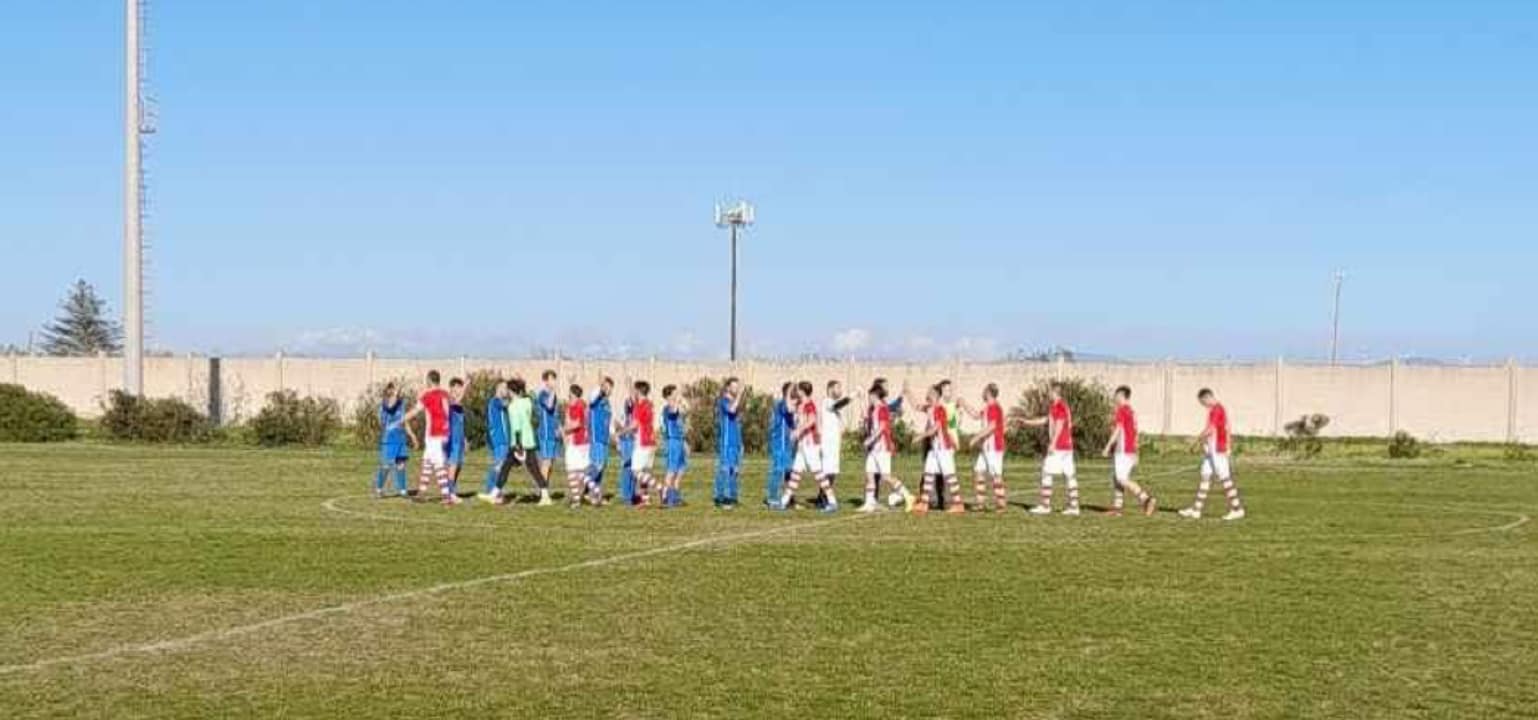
(894, 500)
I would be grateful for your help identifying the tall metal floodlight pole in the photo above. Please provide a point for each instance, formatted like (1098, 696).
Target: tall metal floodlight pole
(734, 216)
(1340, 278)
(133, 235)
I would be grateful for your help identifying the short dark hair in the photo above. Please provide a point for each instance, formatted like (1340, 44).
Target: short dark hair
(668, 390)
(547, 375)
(785, 389)
(433, 377)
(991, 390)
(879, 391)
(518, 386)
(643, 387)
(943, 384)
(880, 381)
(1203, 393)
(576, 390)
(730, 380)
(1124, 391)
(607, 381)
(456, 382)
(389, 386)
(805, 387)
(832, 384)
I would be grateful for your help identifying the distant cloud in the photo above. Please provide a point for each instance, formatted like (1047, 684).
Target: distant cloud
(851, 341)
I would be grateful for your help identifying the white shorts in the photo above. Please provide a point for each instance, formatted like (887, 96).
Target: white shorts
(879, 462)
(578, 458)
(1058, 462)
(940, 462)
(1216, 463)
(990, 462)
(1121, 467)
(641, 459)
(808, 460)
(832, 456)
(434, 451)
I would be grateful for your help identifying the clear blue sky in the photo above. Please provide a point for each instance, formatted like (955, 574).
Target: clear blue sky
(1143, 179)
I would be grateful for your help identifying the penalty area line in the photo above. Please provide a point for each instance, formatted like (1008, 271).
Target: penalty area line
(187, 641)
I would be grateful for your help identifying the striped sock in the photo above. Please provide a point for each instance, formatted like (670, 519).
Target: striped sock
(1118, 496)
(1073, 492)
(953, 488)
(927, 490)
(1232, 491)
(791, 485)
(1201, 493)
(1000, 493)
(980, 488)
(1046, 491)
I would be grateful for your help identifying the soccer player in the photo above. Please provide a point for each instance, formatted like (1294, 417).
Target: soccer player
(677, 449)
(1214, 442)
(434, 403)
(578, 447)
(1122, 449)
(830, 423)
(520, 414)
(627, 485)
(392, 442)
(499, 436)
(1059, 461)
(990, 453)
(879, 446)
(457, 441)
(548, 405)
(807, 438)
(600, 421)
(782, 423)
(728, 443)
(643, 426)
(940, 461)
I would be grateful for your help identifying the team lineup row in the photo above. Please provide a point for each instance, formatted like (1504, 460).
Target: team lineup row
(805, 435)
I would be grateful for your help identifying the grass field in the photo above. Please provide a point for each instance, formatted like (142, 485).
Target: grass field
(222, 582)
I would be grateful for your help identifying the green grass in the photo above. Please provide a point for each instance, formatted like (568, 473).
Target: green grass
(1354, 590)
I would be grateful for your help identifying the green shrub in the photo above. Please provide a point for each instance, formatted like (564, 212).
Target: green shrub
(1302, 437)
(34, 417)
(288, 419)
(1092, 409)
(479, 387)
(154, 420)
(1404, 446)
(1517, 452)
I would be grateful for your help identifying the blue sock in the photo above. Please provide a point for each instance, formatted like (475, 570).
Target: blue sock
(491, 480)
(626, 484)
(400, 479)
(731, 485)
(379, 479)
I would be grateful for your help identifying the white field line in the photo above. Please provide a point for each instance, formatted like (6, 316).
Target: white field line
(181, 643)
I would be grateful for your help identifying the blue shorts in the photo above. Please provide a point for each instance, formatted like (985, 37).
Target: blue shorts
(454, 453)
(549, 448)
(678, 457)
(393, 453)
(599, 455)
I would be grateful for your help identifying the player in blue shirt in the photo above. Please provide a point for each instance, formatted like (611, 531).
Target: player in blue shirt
(599, 416)
(677, 451)
(547, 407)
(626, 450)
(455, 452)
(782, 421)
(499, 437)
(728, 443)
(392, 442)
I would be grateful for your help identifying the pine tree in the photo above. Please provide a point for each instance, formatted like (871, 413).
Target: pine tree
(83, 327)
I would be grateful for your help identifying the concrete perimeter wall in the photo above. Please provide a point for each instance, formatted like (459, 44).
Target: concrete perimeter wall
(1494, 404)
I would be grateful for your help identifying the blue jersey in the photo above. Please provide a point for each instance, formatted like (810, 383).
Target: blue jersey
(672, 425)
(728, 429)
(388, 416)
(499, 429)
(598, 413)
(626, 442)
(781, 428)
(549, 422)
(456, 446)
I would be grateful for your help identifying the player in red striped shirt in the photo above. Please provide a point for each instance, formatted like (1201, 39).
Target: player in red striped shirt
(1059, 460)
(807, 439)
(941, 460)
(1214, 442)
(1122, 449)
(434, 403)
(579, 447)
(879, 446)
(643, 425)
(990, 453)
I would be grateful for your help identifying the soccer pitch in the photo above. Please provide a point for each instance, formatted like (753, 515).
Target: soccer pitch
(225, 582)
